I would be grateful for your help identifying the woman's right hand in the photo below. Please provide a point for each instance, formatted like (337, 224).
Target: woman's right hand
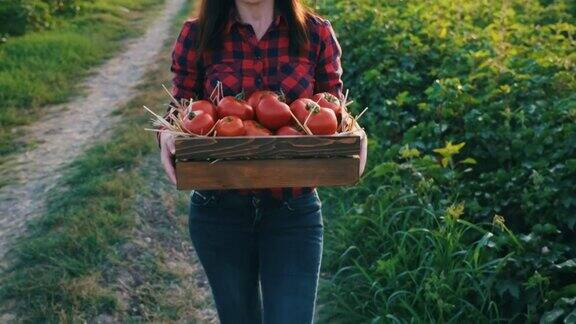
(167, 151)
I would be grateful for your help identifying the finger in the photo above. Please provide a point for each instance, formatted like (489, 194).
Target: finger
(172, 176)
(169, 168)
(168, 149)
(171, 145)
(170, 172)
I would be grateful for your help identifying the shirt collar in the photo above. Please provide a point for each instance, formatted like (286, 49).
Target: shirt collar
(234, 18)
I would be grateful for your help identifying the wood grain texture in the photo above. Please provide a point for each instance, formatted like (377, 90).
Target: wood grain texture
(240, 174)
(206, 148)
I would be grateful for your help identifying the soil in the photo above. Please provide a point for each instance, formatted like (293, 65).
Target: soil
(158, 276)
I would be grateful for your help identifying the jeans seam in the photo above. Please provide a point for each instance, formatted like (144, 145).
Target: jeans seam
(288, 206)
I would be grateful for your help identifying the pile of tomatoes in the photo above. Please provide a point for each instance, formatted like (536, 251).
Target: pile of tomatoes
(264, 114)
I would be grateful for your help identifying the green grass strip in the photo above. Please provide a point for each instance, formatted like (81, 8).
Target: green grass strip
(44, 67)
(57, 273)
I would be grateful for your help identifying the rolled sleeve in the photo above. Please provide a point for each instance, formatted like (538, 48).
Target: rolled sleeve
(187, 68)
(187, 64)
(329, 69)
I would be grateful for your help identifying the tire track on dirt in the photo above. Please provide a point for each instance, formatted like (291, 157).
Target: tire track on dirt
(67, 129)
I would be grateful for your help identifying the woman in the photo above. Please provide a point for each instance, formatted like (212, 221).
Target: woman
(261, 249)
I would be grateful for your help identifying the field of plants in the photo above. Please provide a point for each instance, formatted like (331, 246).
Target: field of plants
(468, 211)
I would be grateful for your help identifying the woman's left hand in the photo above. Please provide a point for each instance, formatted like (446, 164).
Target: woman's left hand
(363, 150)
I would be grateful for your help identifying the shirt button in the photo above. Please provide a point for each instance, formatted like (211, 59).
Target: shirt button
(257, 54)
(259, 81)
(258, 66)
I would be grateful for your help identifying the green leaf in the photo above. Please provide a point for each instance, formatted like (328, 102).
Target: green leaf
(568, 264)
(402, 97)
(450, 149)
(407, 153)
(385, 169)
(571, 318)
(512, 287)
(551, 316)
(468, 161)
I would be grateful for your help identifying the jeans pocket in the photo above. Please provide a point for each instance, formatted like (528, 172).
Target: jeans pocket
(199, 200)
(306, 203)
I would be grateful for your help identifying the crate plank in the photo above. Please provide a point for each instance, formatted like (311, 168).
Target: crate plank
(239, 174)
(205, 148)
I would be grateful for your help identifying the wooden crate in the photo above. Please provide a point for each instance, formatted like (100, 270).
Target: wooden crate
(267, 162)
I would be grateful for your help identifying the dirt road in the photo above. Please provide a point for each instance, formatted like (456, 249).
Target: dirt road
(66, 130)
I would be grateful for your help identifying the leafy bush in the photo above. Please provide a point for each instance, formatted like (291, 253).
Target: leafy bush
(65, 6)
(20, 16)
(499, 76)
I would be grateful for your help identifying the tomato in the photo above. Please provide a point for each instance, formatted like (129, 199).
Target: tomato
(230, 126)
(328, 100)
(205, 106)
(253, 128)
(323, 122)
(288, 131)
(255, 98)
(272, 113)
(301, 108)
(199, 123)
(231, 106)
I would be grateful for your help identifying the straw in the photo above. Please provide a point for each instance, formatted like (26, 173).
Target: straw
(171, 96)
(306, 129)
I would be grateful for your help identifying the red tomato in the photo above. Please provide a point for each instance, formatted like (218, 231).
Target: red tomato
(231, 106)
(323, 122)
(301, 108)
(288, 131)
(230, 126)
(198, 123)
(253, 128)
(255, 98)
(272, 113)
(205, 106)
(328, 100)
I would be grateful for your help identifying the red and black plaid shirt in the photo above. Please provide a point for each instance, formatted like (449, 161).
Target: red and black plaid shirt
(247, 64)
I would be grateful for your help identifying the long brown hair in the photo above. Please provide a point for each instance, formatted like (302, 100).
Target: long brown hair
(213, 15)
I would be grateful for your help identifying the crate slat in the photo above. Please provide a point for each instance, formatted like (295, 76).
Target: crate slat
(238, 174)
(205, 148)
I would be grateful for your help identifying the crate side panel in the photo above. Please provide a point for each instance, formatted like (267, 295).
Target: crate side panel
(201, 149)
(268, 173)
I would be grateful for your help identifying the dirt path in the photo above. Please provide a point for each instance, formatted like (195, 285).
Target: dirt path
(67, 129)
(160, 237)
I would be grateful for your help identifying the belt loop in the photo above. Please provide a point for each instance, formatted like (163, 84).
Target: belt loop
(217, 195)
(255, 201)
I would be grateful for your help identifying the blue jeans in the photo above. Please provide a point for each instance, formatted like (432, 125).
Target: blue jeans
(261, 256)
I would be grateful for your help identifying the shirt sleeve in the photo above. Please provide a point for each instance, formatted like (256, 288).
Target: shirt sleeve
(187, 68)
(187, 64)
(329, 69)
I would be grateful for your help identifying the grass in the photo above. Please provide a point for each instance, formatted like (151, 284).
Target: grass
(402, 254)
(44, 67)
(58, 273)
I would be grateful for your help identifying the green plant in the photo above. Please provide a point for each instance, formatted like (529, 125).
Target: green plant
(20, 16)
(407, 253)
(499, 76)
